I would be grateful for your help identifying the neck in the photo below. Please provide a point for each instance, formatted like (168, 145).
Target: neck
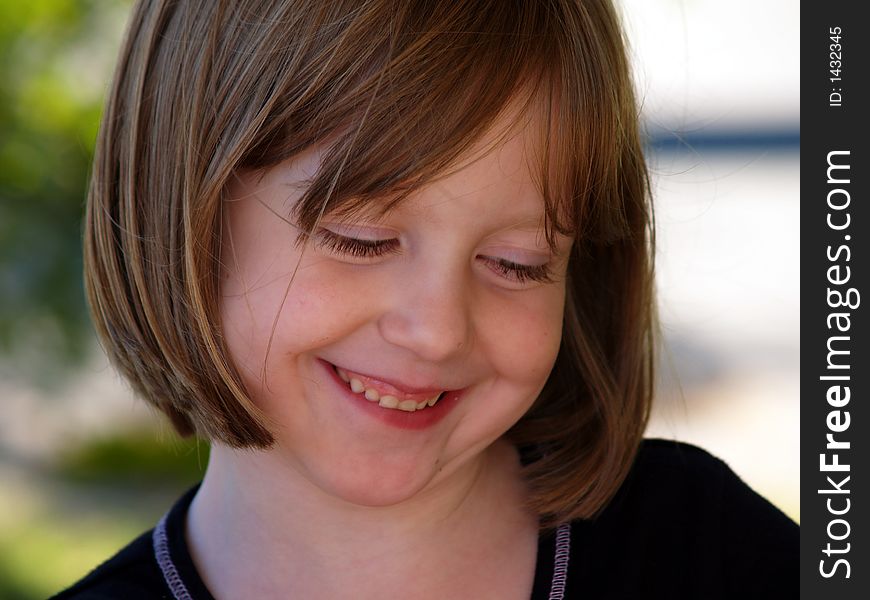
(257, 525)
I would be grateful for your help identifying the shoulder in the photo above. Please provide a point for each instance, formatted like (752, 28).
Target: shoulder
(689, 487)
(131, 574)
(682, 480)
(672, 472)
(684, 521)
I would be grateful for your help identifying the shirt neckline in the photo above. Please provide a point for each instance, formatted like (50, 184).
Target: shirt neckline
(184, 583)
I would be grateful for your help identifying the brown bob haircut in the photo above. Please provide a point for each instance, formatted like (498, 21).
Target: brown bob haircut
(403, 87)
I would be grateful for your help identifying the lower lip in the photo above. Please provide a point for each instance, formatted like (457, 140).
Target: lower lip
(400, 419)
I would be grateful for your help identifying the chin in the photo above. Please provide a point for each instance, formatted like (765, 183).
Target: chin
(372, 482)
(387, 487)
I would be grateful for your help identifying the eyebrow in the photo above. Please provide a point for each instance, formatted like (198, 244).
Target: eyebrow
(532, 225)
(529, 224)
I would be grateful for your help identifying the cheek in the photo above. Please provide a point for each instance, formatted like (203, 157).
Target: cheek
(254, 318)
(265, 321)
(269, 337)
(525, 349)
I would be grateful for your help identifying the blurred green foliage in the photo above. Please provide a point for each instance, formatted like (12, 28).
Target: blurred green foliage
(58, 521)
(93, 499)
(38, 559)
(139, 458)
(55, 64)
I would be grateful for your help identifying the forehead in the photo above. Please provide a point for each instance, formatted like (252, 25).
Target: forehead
(501, 163)
(497, 178)
(495, 173)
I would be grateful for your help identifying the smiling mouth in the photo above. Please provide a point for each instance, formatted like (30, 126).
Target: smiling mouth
(392, 401)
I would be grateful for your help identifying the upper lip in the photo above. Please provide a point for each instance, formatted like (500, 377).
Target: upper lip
(399, 385)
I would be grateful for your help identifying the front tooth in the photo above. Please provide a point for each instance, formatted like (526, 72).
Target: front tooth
(408, 405)
(422, 405)
(372, 395)
(356, 385)
(433, 400)
(343, 375)
(389, 402)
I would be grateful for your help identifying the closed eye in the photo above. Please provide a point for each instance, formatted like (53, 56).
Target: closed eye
(521, 273)
(355, 247)
(359, 248)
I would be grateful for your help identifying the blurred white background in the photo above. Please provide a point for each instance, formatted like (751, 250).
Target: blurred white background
(720, 88)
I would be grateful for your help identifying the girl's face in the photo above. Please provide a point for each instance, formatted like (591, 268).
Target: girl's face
(444, 294)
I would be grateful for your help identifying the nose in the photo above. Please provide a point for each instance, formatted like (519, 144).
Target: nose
(429, 314)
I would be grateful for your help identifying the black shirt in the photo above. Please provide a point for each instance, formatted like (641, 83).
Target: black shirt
(683, 525)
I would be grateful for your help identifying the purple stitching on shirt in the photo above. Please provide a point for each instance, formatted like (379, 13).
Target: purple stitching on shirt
(164, 561)
(560, 562)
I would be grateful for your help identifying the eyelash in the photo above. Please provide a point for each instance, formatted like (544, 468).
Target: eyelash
(368, 248)
(522, 273)
(354, 247)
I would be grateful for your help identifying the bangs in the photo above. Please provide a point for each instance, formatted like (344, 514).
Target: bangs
(399, 96)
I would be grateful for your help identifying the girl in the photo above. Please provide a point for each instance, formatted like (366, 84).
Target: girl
(394, 260)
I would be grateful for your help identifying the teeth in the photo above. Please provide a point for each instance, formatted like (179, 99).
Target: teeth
(385, 401)
(389, 402)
